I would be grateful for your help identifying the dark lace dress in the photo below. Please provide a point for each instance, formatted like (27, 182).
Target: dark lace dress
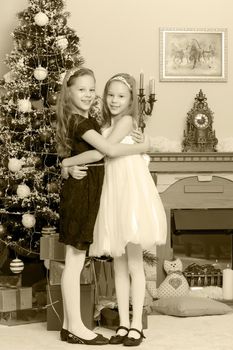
(79, 202)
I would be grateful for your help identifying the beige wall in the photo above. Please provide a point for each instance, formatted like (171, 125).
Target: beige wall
(123, 35)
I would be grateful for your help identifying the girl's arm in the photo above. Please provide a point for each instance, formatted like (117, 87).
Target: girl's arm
(109, 146)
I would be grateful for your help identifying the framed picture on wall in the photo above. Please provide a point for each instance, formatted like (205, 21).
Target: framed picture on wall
(193, 54)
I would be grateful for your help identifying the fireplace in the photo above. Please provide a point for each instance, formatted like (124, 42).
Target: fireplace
(197, 192)
(202, 236)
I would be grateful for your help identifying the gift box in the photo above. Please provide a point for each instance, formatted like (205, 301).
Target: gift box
(105, 278)
(110, 318)
(56, 268)
(18, 317)
(12, 299)
(51, 248)
(13, 281)
(55, 307)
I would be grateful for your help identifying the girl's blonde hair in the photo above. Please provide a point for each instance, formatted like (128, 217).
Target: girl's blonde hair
(132, 109)
(64, 110)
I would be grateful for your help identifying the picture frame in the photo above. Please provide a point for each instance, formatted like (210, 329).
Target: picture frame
(188, 54)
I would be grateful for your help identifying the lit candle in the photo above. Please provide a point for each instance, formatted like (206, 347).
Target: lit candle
(141, 80)
(151, 86)
(227, 286)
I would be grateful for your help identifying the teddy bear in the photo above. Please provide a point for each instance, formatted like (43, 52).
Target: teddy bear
(175, 284)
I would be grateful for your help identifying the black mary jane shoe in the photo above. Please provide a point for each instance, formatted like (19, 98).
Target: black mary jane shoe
(98, 340)
(64, 334)
(130, 341)
(118, 339)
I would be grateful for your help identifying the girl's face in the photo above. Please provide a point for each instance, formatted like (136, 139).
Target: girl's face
(82, 94)
(118, 98)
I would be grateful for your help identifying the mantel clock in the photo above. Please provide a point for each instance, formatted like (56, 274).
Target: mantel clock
(199, 135)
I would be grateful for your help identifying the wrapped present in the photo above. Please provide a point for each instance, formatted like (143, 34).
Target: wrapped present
(12, 299)
(56, 268)
(110, 318)
(11, 281)
(51, 248)
(55, 308)
(18, 317)
(105, 278)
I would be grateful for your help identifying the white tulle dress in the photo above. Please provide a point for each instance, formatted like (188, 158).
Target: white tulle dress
(130, 207)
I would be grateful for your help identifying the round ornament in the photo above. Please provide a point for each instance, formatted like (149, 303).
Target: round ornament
(16, 266)
(52, 187)
(2, 230)
(40, 73)
(28, 220)
(41, 19)
(61, 42)
(23, 191)
(45, 136)
(14, 165)
(36, 123)
(27, 44)
(24, 105)
(52, 98)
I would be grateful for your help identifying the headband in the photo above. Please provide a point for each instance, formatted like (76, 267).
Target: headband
(122, 79)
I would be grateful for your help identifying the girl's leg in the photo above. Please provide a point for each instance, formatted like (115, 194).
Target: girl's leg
(136, 270)
(70, 285)
(122, 284)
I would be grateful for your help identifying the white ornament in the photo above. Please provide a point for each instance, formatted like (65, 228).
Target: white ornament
(23, 191)
(28, 220)
(24, 105)
(62, 42)
(40, 73)
(41, 19)
(14, 164)
(16, 266)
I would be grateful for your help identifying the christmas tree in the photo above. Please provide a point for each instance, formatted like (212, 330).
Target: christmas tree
(44, 48)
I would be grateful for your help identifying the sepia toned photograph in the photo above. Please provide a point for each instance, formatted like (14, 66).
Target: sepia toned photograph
(193, 55)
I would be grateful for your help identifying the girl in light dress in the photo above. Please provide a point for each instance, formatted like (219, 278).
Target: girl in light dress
(131, 215)
(77, 133)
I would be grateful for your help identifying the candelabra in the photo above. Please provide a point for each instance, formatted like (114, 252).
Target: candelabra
(145, 107)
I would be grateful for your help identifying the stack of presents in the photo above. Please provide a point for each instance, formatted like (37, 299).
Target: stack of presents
(98, 299)
(17, 304)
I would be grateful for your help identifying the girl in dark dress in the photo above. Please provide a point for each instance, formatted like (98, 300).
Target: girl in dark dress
(77, 132)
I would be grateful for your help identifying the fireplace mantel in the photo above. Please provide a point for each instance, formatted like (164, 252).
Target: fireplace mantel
(191, 180)
(191, 162)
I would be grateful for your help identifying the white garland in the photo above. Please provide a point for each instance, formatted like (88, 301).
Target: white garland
(163, 144)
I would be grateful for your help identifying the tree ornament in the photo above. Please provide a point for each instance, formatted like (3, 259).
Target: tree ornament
(24, 105)
(23, 191)
(41, 19)
(40, 73)
(52, 187)
(60, 20)
(28, 220)
(45, 136)
(16, 265)
(62, 42)
(36, 123)
(14, 165)
(2, 230)
(52, 98)
(27, 44)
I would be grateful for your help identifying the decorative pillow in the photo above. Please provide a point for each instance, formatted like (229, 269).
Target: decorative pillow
(190, 306)
(175, 284)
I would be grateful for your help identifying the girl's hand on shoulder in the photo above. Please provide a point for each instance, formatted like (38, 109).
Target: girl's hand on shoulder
(137, 135)
(78, 172)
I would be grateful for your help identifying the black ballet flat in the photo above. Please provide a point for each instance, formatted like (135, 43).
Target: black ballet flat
(118, 339)
(98, 340)
(130, 341)
(64, 334)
